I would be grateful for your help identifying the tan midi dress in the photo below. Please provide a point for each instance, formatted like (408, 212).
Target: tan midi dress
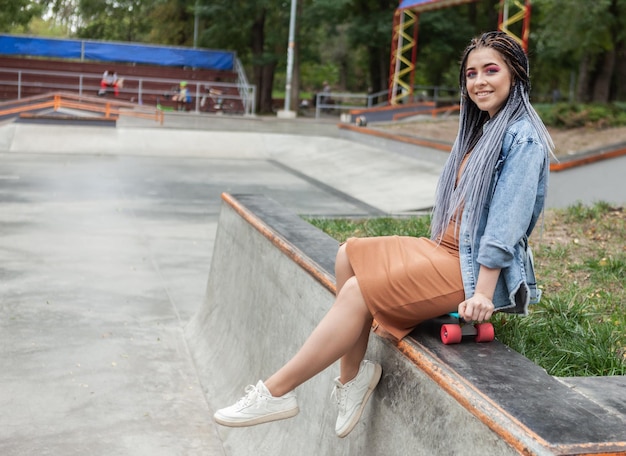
(407, 280)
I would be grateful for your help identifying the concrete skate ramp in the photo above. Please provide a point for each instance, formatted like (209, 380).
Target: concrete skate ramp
(386, 181)
(271, 281)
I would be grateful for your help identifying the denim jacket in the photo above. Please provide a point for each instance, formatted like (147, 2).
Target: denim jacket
(509, 216)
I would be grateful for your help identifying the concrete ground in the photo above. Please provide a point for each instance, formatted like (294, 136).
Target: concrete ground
(106, 240)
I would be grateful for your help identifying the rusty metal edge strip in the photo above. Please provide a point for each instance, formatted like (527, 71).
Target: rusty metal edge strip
(389, 108)
(432, 112)
(406, 139)
(555, 167)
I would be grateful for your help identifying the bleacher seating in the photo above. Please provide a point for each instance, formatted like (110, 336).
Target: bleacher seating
(41, 75)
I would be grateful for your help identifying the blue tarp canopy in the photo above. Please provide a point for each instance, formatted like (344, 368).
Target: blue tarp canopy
(427, 5)
(410, 3)
(117, 52)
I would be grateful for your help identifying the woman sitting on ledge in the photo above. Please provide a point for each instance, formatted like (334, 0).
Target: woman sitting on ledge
(489, 197)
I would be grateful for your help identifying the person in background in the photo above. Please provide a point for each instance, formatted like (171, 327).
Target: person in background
(214, 97)
(325, 96)
(183, 97)
(109, 79)
(477, 260)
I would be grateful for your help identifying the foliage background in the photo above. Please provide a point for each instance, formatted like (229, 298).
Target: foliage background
(577, 47)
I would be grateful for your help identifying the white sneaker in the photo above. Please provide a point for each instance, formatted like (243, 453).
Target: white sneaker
(258, 406)
(352, 397)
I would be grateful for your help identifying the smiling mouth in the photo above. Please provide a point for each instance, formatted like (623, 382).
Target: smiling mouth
(482, 94)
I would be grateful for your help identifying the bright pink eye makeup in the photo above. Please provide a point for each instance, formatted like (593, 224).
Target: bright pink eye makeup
(492, 69)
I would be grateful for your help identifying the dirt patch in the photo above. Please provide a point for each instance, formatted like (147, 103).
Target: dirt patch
(568, 142)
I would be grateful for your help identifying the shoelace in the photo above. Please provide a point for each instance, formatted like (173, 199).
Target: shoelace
(251, 394)
(338, 395)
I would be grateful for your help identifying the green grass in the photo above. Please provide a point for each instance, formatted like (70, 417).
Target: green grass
(342, 229)
(579, 327)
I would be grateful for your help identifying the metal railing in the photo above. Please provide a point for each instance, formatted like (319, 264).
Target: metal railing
(339, 101)
(133, 87)
(110, 109)
(247, 91)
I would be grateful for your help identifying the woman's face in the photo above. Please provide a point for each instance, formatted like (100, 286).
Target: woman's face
(488, 79)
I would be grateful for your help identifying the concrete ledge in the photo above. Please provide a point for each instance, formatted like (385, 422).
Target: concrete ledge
(271, 281)
(282, 114)
(65, 119)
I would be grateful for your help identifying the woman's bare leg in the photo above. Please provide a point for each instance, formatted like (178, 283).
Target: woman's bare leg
(343, 268)
(340, 332)
(351, 361)
(337, 334)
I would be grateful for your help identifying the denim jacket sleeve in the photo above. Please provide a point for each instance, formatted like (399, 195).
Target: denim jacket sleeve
(517, 198)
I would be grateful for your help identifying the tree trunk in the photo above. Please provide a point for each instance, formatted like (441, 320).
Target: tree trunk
(619, 88)
(607, 62)
(343, 65)
(383, 68)
(263, 66)
(604, 76)
(378, 81)
(257, 37)
(268, 71)
(584, 77)
(472, 13)
(494, 17)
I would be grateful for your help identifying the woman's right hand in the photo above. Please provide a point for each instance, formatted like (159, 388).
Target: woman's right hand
(477, 308)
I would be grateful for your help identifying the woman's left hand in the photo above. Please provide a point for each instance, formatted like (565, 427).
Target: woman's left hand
(477, 308)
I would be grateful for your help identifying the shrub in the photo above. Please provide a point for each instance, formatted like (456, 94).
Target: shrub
(576, 115)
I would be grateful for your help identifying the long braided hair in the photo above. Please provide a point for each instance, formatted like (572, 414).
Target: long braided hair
(483, 137)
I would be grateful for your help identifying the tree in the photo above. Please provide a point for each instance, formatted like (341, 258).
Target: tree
(588, 36)
(18, 13)
(257, 30)
(370, 28)
(64, 15)
(323, 44)
(443, 36)
(348, 42)
(172, 22)
(115, 20)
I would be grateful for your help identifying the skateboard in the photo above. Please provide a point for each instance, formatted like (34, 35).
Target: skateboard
(454, 328)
